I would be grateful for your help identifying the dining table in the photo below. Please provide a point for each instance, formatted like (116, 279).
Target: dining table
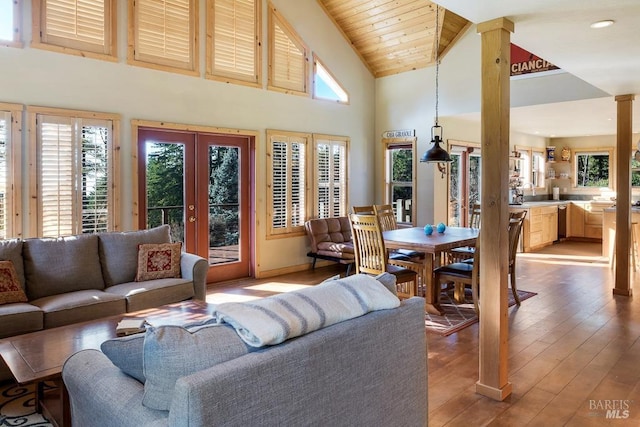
(433, 245)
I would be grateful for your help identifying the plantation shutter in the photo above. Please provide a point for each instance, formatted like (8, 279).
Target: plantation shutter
(235, 40)
(288, 57)
(73, 178)
(331, 178)
(5, 201)
(56, 166)
(287, 184)
(78, 24)
(165, 32)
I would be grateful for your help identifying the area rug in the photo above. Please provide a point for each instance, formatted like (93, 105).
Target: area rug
(459, 316)
(18, 406)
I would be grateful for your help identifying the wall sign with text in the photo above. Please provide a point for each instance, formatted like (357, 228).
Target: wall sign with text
(525, 62)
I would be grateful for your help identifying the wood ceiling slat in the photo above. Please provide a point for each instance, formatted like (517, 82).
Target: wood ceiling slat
(393, 36)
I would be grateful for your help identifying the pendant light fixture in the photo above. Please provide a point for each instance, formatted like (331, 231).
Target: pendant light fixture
(436, 154)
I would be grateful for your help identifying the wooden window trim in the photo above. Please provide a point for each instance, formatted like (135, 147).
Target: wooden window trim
(332, 140)
(14, 161)
(111, 26)
(287, 231)
(228, 77)
(275, 17)
(16, 41)
(582, 151)
(388, 143)
(317, 60)
(114, 167)
(191, 69)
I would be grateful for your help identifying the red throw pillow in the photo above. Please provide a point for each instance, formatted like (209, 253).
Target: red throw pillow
(158, 261)
(10, 289)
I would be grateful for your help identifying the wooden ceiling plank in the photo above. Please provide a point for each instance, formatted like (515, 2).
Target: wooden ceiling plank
(399, 30)
(388, 19)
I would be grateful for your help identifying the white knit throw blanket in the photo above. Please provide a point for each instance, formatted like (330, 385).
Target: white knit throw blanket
(272, 320)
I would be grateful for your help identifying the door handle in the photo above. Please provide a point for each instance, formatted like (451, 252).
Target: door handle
(192, 219)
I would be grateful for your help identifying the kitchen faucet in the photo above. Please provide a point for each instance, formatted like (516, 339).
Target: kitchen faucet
(533, 188)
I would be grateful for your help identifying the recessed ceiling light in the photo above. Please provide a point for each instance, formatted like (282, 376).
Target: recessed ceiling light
(602, 24)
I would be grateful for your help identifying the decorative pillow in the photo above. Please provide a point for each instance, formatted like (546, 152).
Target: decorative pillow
(172, 352)
(126, 354)
(158, 261)
(10, 289)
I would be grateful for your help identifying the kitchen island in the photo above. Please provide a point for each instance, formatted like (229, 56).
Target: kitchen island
(609, 228)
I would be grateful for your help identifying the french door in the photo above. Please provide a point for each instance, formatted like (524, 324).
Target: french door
(464, 183)
(199, 184)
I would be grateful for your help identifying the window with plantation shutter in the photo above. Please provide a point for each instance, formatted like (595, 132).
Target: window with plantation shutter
(76, 26)
(75, 182)
(164, 34)
(10, 125)
(330, 176)
(233, 41)
(286, 182)
(288, 57)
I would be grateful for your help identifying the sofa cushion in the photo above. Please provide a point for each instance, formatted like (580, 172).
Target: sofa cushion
(119, 252)
(10, 289)
(79, 306)
(158, 261)
(66, 264)
(11, 250)
(20, 318)
(153, 293)
(172, 352)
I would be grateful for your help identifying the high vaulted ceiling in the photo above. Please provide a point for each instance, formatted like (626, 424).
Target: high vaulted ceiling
(392, 36)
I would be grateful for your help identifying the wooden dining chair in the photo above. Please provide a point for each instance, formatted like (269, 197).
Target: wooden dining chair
(366, 209)
(461, 254)
(372, 256)
(516, 220)
(406, 258)
(462, 274)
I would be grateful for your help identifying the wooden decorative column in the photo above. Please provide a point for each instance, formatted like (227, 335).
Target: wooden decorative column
(623, 194)
(494, 236)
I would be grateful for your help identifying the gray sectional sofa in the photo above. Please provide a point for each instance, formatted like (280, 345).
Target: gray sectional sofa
(370, 370)
(84, 277)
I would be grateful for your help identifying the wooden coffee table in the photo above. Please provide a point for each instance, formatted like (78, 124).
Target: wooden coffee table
(38, 356)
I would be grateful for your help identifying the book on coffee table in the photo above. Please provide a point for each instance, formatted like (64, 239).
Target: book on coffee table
(130, 325)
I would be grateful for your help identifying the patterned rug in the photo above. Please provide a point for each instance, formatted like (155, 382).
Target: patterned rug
(459, 316)
(18, 406)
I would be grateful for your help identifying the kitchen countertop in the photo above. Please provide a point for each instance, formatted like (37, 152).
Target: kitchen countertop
(535, 204)
(539, 203)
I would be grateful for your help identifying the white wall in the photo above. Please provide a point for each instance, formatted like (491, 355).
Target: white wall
(36, 77)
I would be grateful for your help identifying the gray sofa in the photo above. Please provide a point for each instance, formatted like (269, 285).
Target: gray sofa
(79, 278)
(370, 370)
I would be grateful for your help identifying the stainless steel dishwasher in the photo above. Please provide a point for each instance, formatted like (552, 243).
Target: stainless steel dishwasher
(562, 221)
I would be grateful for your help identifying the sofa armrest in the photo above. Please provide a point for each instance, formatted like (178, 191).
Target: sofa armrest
(195, 268)
(102, 395)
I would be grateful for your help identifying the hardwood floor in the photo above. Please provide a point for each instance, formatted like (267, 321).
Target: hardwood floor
(574, 348)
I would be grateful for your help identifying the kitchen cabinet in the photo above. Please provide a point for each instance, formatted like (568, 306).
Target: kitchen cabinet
(575, 222)
(540, 227)
(585, 219)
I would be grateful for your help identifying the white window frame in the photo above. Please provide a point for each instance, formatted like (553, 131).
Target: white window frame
(106, 50)
(16, 39)
(593, 151)
(12, 206)
(320, 70)
(75, 117)
(337, 176)
(294, 224)
(191, 66)
(235, 42)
